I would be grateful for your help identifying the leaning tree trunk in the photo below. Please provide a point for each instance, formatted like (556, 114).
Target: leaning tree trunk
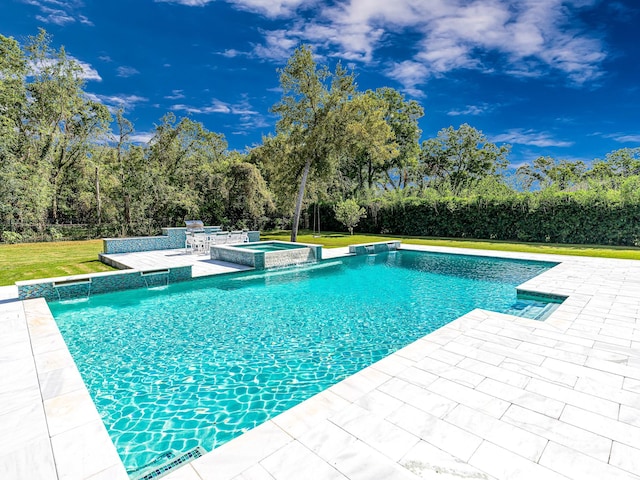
(54, 200)
(296, 215)
(98, 197)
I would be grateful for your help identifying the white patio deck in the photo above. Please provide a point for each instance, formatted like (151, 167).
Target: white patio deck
(487, 396)
(202, 265)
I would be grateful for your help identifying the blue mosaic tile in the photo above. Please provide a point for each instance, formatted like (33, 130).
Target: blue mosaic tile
(374, 247)
(171, 238)
(64, 288)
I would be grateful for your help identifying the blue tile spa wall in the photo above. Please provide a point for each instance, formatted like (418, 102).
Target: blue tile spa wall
(171, 238)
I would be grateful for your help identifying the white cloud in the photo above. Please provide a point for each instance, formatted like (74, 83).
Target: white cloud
(628, 138)
(410, 74)
(242, 109)
(523, 38)
(142, 137)
(88, 72)
(115, 102)
(126, 71)
(622, 137)
(57, 17)
(84, 20)
(216, 107)
(59, 12)
(247, 117)
(279, 45)
(472, 110)
(529, 137)
(175, 95)
(187, 3)
(268, 8)
(232, 53)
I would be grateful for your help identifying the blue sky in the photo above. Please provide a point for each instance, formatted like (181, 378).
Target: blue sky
(550, 77)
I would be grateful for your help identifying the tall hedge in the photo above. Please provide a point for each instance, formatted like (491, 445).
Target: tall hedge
(581, 217)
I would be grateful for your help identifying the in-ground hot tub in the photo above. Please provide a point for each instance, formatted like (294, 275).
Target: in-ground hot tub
(261, 255)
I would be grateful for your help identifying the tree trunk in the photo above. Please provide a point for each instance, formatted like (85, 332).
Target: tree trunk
(98, 199)
(54, 201)
(296, 215)
(127, 209)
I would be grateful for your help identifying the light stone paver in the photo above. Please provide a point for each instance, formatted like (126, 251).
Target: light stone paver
(503, 464)
(488, 396)
(594, 445)
(201, 265)
(574, 397)
(524, 398)
(429, 462)
(308, 465)
(375, 431)
(625, 457)
(510, 437)
(569, 462)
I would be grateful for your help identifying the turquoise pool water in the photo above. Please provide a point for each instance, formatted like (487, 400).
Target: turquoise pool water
(270, 246)
(196, 364)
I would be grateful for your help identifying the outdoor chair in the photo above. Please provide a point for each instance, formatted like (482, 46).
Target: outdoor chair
(200, 243)
(188, 242)
(236, 237)
(220, 238)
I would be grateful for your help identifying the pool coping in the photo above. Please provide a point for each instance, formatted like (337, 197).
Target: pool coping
(76, 432)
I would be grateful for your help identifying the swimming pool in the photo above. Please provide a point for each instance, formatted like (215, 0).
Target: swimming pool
(198, 363)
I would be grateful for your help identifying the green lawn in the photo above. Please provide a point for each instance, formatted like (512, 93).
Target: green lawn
(26, 261)
(343, 239)
(42, 260)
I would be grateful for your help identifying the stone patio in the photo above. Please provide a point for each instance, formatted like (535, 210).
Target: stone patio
(488, 396)
(201, 265)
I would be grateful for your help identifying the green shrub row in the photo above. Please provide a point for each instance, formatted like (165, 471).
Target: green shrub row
(571, 218)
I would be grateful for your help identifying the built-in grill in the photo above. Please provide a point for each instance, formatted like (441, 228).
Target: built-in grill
(194, 226)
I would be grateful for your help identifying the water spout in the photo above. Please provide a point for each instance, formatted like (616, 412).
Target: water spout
(73, 287)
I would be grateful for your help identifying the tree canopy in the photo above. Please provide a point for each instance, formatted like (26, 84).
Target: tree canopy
(65, 158)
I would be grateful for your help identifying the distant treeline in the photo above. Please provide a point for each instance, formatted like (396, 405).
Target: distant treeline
(65, 159)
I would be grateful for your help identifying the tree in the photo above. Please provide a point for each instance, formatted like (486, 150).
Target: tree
(349, 213)
(310, 104)
(363, 170)
(322, 119)
(182, 162)
(625, 161)
(13, 96)
(461, 157)
(547, 172)
(248, 198)
(62, 123)
(402, 116)
(13, 100)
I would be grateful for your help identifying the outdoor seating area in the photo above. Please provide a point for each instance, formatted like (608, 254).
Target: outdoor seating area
(194, 237)
(200, 242)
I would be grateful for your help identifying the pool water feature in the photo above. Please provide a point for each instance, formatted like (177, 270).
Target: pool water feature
(271, 254)
(201, 362)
